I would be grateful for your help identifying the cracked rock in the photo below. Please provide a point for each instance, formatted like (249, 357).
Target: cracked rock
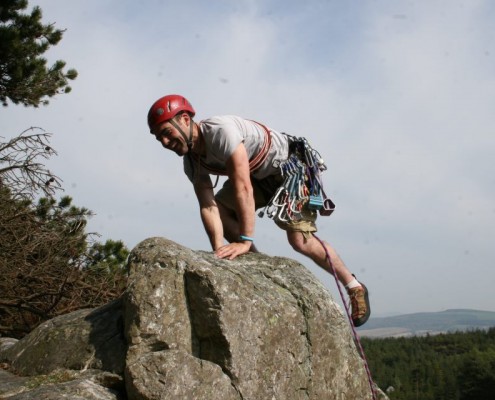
(265, 325)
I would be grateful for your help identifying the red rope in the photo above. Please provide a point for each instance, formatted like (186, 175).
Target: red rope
(349, 317)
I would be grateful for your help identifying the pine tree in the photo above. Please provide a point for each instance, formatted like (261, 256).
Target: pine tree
(25, 77)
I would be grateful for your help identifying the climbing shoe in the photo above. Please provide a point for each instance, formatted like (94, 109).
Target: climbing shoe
(360, 305)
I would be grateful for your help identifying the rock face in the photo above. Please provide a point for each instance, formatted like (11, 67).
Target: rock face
(84, 339)
(191, 326)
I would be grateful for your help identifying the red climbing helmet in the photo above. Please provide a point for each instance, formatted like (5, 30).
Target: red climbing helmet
(166, 108)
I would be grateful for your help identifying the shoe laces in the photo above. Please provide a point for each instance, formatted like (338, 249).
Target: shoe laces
(358, 305)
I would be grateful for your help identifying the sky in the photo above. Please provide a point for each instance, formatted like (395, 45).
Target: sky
(396, 95)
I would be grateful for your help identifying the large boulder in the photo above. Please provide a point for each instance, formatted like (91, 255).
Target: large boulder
(89, 338)
(192, 326)
(257, 327)
(62, 384)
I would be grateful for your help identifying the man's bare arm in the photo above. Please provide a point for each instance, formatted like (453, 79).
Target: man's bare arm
(209, 211)
(239, 175)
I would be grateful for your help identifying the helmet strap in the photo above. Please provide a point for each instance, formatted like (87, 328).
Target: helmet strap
(188, 140)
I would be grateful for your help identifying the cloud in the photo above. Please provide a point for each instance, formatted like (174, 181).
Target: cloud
(397, 96)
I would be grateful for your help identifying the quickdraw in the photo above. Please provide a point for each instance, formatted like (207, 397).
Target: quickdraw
(302, 184)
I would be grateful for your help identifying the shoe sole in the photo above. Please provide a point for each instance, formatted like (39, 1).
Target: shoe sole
(361, 321)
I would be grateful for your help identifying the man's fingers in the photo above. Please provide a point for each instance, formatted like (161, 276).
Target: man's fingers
(231, 250)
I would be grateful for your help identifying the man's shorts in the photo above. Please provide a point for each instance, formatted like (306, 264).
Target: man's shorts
(264, 189)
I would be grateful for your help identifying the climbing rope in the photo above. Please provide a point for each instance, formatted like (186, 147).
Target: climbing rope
(349, 317)
(303, 185)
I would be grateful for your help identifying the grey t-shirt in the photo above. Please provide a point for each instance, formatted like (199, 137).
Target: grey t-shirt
(223, 134)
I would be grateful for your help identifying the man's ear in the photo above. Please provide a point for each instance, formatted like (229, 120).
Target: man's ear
(186, 118)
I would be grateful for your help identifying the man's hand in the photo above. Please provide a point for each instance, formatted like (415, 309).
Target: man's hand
(232, 250)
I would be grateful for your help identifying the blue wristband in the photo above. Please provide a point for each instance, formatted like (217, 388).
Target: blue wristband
(246, 238)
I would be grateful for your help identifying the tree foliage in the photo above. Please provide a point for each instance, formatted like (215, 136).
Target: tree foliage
(25, 77)
(455, 366)
(49, 264)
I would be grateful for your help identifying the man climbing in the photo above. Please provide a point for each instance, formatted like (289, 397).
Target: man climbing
(265, 169)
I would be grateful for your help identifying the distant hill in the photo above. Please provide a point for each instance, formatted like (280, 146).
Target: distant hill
(428, 323)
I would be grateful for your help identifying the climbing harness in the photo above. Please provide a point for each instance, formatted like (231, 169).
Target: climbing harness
(302, 184)
(349, 317)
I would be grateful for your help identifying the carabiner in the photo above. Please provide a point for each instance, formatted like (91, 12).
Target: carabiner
(277, 204)
(279, 216)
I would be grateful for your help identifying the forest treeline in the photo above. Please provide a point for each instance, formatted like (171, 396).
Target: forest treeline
(454, 366)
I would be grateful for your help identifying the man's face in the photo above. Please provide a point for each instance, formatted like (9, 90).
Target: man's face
(170, 137)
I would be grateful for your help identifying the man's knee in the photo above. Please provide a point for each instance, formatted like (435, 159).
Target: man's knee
(298, 241)
(225, 213)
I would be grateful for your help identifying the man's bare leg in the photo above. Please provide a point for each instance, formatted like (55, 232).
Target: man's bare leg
(358, 293)
(231, 230)
(313, 249)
